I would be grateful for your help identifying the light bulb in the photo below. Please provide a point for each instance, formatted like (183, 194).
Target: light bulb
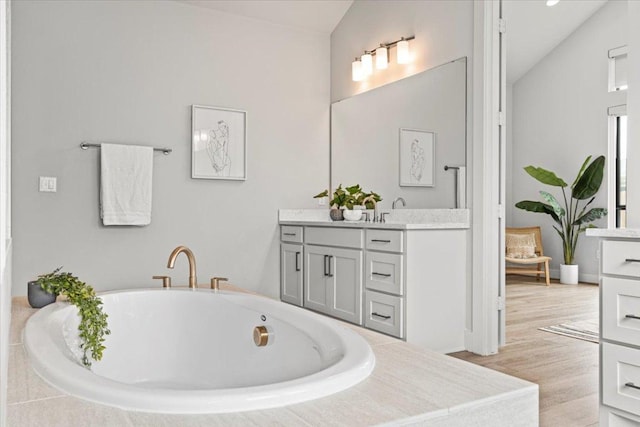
(367, 63)
(552, 2)
(403, 52)
(356, 71)
(381, 57)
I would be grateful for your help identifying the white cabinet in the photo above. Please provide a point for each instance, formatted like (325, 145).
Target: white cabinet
(291, 273)
(410, 284)
(384, 281)
(620, 333)
(291, 264)
(333, 282)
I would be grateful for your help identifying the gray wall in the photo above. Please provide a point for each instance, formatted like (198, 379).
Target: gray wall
(560, 117)
(443, 31)
(129, 72)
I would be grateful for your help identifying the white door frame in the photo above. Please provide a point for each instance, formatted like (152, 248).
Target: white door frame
(487, 179)
(5, 200)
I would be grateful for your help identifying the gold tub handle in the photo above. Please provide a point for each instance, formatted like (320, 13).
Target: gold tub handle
(260, 335)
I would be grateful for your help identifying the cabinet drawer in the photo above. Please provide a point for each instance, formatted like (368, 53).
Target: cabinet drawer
(621, 258)
(611, 418)
(621, 310)
(385, 240)
(384, 313)
(290, 233)
(343, 237)
(620, 377)
(384, 272)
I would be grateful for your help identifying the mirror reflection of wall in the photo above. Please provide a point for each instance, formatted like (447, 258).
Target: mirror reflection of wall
(366, 131)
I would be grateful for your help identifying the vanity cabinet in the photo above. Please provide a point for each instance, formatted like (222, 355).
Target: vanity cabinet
(291, 265)
(333, 282)
(384, 273)
(407, 283)
(333, 272)
(620, 333)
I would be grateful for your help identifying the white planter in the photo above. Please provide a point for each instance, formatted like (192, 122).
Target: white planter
(569, 274)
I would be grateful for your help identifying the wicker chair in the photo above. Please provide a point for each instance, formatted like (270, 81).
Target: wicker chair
(541, 261)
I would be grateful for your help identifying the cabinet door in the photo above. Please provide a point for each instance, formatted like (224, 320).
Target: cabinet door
(291, 273)
(316, 274)
(345, 284)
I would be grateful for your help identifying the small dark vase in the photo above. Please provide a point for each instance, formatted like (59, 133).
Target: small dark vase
(37, 296)
(336, 215)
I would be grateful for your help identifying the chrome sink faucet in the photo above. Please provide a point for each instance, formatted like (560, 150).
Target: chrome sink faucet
(193, 283)
(399, 199)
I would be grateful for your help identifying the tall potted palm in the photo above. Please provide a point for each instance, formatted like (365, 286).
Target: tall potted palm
(571, 219)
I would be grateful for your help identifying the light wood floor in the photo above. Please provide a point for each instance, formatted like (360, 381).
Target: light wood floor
(566, 369)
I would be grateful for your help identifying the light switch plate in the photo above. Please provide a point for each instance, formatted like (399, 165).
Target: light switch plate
(48, 184)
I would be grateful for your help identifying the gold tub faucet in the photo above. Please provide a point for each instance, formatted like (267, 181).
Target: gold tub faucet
(193, 283)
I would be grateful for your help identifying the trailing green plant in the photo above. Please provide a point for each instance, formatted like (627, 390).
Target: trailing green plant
(571, 219)
(93, 320)
(351, 196)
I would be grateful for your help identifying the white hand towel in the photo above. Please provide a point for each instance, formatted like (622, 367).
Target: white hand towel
(126, 174)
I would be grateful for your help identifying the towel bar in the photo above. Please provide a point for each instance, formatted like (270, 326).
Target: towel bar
(87, 145)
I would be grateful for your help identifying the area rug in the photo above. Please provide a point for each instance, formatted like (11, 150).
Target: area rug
(586, 331)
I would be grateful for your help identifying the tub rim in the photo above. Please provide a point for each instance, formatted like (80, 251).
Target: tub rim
(43, 332)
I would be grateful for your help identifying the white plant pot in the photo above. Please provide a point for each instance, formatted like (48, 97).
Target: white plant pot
(569, 274)
(354, 215)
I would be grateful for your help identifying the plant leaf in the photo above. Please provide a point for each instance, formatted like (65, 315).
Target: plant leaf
(589, 182)
(559, 234)
(534, 206)
(325, 193)
(548, 197)
(582, 168)
(592, 215)
(354, 189)
(545, 176)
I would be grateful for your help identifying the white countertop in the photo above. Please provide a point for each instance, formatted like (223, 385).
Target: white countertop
(618, 233)
(397, 219)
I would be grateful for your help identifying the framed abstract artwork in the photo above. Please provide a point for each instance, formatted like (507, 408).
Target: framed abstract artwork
(218, 143)
(417, 158)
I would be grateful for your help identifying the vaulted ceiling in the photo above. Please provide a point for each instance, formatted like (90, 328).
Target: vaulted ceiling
(320, 16)
(533, 29)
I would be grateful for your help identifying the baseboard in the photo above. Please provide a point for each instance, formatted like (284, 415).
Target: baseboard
(583, 278)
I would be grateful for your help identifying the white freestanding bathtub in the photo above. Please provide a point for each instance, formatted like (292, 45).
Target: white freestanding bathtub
(186, 351)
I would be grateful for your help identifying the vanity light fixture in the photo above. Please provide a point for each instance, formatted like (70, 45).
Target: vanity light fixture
(356, 71)
(367, 63)
(552, 2)
(362, 67)
(381, 57)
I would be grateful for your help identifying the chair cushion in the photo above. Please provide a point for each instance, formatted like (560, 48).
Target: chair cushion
(520, 245)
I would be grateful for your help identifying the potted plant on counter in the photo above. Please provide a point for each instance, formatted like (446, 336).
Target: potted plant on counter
(349, 198)
(93, 320)
(571, 219)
